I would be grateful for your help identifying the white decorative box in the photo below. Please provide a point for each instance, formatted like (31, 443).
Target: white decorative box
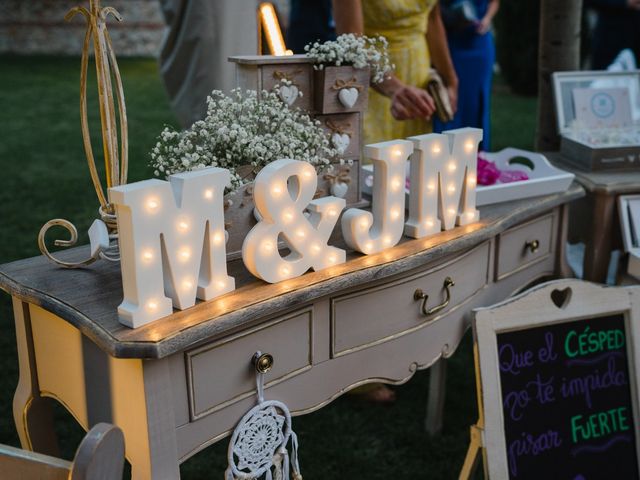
(544, 178)
(629, 210)
(598, 115)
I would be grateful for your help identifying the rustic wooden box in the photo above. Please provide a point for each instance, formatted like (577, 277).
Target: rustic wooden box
(583, 154)
(336, 88)
(343, 130)
(589, 158)
(263, 72)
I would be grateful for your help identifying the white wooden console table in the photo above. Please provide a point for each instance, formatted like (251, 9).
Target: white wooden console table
(181, 383)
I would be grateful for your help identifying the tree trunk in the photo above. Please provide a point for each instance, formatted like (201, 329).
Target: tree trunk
(559, 49)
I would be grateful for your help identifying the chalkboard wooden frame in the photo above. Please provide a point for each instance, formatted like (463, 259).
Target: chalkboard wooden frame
(536, 308)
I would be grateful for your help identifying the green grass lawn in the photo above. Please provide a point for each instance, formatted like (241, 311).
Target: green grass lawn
(45, 176)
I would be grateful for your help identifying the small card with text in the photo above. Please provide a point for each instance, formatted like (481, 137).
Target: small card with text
(602, 107)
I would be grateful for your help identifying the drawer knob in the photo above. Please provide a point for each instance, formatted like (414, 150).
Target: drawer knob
(420, 295)
(532, 246)
(263, 362)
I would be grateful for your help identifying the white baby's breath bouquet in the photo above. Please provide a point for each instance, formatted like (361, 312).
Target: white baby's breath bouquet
(243, 129)
(358, 51)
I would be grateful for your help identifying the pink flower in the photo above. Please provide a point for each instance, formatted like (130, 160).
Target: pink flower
(488, 173)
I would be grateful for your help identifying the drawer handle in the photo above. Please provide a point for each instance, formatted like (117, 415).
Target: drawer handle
(420, 295)
(532, 246)
(263, 362)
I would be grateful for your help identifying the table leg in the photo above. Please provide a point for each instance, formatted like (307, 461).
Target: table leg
(160, 458)
(563, 270)
(437, 393)
(598, 248)
(32, 413)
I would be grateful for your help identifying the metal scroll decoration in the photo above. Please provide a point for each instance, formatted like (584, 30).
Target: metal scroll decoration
(103, 233)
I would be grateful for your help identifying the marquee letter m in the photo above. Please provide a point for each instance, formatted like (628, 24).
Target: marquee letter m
(172, 243)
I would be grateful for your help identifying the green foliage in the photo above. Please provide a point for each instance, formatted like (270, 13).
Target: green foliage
(517, 24)
(45, 176)
(513, 118)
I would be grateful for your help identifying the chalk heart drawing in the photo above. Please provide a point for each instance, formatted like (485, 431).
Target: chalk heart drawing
(339, 189)
(348, 96)
(340, 142)
(288, 93)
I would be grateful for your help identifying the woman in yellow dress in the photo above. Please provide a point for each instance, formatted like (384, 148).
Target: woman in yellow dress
(400, 106)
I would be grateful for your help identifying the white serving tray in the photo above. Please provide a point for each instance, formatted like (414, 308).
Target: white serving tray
(544, 178)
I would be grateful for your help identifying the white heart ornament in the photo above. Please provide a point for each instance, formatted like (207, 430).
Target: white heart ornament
(339, 189)
(348, 97)
(340, 142)
(288, 93)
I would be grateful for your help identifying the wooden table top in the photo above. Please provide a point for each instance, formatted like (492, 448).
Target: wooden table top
(88, 298)
(607, 182)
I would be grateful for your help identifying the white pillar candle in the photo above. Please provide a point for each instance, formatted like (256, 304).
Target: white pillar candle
(371, 232)
(443, 181)
(172, 243)
(282, 191)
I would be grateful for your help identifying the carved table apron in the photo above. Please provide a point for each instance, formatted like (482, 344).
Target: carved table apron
(181, 383)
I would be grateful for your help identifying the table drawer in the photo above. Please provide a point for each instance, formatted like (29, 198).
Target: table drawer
(221, 373)
(523, 245)
(391, 310)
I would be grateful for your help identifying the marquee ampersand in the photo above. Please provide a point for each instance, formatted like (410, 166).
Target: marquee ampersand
(283, 190)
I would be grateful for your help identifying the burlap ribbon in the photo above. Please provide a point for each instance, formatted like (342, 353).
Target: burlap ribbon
(288, 76)
(341, 177)
(351, 83)
(339, 128)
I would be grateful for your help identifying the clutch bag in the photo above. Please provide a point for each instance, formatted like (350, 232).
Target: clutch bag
(437, 90)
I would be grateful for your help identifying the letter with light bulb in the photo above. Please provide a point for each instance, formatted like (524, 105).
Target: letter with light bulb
(443, 181)
(372, 232)
(173, 242)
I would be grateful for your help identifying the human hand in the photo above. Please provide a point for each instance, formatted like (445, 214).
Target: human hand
(484, 25)
(634, 4)
(409, 102)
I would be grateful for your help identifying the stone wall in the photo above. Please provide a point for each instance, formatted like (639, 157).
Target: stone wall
(38, 27)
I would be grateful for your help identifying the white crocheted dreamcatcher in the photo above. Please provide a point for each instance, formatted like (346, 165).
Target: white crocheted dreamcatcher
(258, 445)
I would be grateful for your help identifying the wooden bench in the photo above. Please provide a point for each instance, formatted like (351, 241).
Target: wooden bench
(100, 456)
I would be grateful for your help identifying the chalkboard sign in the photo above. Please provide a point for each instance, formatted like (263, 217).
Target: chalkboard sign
(559, 383)
(566, 398)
